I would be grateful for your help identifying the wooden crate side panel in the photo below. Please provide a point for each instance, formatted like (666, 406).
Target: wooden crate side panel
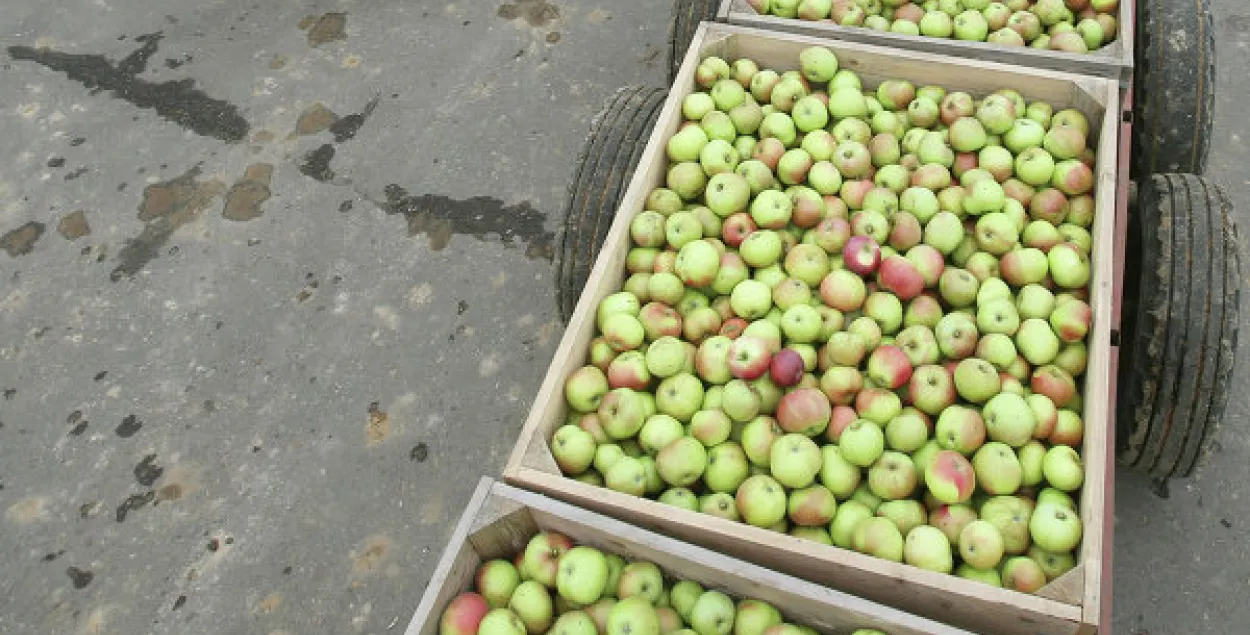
(1113, 61)
(936, 596)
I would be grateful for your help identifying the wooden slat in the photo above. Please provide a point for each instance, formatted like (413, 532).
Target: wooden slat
(1068, 588)
(976, 606)
(1113, 61)
(509, 516)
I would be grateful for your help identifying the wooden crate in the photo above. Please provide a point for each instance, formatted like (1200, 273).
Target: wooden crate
(499, 520)
(1114, 60)
(1070, 604)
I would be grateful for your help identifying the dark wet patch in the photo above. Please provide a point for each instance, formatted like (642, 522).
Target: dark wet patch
(1225, 522)
(74, 225)
(53, 555)
(419, 453)
(346, 127)
(534, 12)
(166, 207)
(286, 570)
(78, 429)
(76, 173)
(209, 406)
(316, 164)
(132, 503)
(56, 162)
(172, 63)
(314, 119)
(175, 100)
(461, 307)
(128, 427)
(328, 27)
(20, 241)
(245, 197)
(441, 217)
(179, 601)
(9, 394)
(345, 207)
(100, 375)
(74, 417)
(77, 141)
(147, 471)
(79, 577)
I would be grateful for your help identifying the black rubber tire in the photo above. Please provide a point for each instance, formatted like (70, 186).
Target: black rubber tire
(687, 14)
(1180, 320)
(617, 137)
(1173, 87)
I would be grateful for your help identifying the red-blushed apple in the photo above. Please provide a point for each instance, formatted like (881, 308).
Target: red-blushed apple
(762, 501)
(601, 354)
(878, 537)
(585, 388)
(919, 344)
(1069, 429)
(1055, 383)
(1023, 574)
(659, 320)
(749, 357)
(961, 429)
(951, 520)
(892, 476)
(841, 384)
(769, 151)
(878, 405)
(1055, 528)
(464, 615)
(1049, 205)
(928, 262)
(812, 506)
(831, 234)
(924, 310)
(889, 366)
(900, 276)
(600, 610)
(1071, 320)
(862, 256)
(736, 228)
(981, 545)
(733, 328)
(956, 105)
(1045, 414)
(542, 555)
(905, 231)
(700, 324)
(843, 290)
(950, 477)
(964, 162)
(590, 423)
(928, 548)
(806, 411)
(931, 389)
(1018, 190)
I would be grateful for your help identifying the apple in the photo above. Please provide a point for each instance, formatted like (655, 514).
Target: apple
(1052, 496)
(755, 617)
(1010, 514)
(906, 514)
(924, 311)
(762, 501)
(950, 477)
(640, 579)
(627, 475)
(919, 345)
(632, 616)
(997, 469)
(806, 411)
(679, 396)
(1055, 383)
(749, 357)
(1055, 528)
(984, 576)
(585, 388)
(795, 461)
(813, 506)
(862, 442)
(542, 554)
(997, 349)
(465, 613)
(1023, 574)
(981, 545)
(574, 451)
(582, 575)
(786, 368)
(1052, 564)
(878, 537)
(1031, 457)
(837, 474)
(892, 476)
(621, 413)
(1009, 419)
(960, 429)
(931, 389)
(976, 380)
(878, 405)
(845, 521)
(951, 520)
(501, 621)
(758, 436)
(1062, 468)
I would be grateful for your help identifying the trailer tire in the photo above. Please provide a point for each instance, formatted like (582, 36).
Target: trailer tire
(687, 14)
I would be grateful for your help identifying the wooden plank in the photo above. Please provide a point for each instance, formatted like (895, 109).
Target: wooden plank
(524, 513)
(1113, 61)
(1068, 588)
(972, 605)
(454, 571)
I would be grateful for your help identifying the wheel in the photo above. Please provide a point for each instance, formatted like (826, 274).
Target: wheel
(687, 14)
(1173, 87)
(617, 137)
(1180, 318)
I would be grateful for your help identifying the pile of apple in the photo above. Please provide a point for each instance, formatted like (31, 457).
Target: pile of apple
(856, 317)
(1075, 26)
(558, 588)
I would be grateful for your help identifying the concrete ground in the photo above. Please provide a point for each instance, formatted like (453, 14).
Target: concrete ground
(276, 292)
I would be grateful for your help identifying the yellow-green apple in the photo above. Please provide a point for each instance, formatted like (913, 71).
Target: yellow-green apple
(846, 102)
(770, 394)
(984, 576)
(622, 413)
(786, 368)
(582, 575)
(852, 159)
(1078, 236)
(820, 144)
(885, 151)
(997, 349)
(1021, 267)
(606, 455)
(712, 359)
(697, 263)
(804, 411)
(682, 597)
(854, 193)
(925, 310)
(542, 554)
(977, 380)
(1035, 166)
(1069, 265)
(931, 389)
(601, 354)
(817, 534)
(1052, 564)
(956, 335)
(758, 436)
(1035, 301)
(1029, 28)
(934, 148)
(1023, 574)
(792, 291)
(761, 501)
(640, 579)
(885, 311)
(1019, 369)
(1063, 469)
(984, 266)
(892, 476)
(688, 142)
(647, 229)
(1064, 142)
(1049, 205)
(919, 345)
(719, 504)
(500, 621)
(727, 467)
(600, 610)
(1081, 210)
(1037, 341)
(878, 537)
(687, 179)
(665, 288)
(658, 431)
(909, 431)
(585, 388)
(838, 475)
(997, 469)
(1009, 419)
(981, 545)
(801, 324)
(944, 232)
(862, 442)
(878, 405)
(495, 581)
(1024, 134)
(574, 451)
(831, 234)
(812, 506)
(808, 263)
(843, 290)
(632, 616)
(966, 133)
(1055, 528)
(679, 396)
(679, 497)
(710, 71)
(623, 332)
(951, 520)
(719, 157)
(950, 477)
(1073, 358)
(727, 193)
(573, 622)
(1010, 514)
(753, 617)
(1052, 496)
(795, 460)
(840, 384)
(849, 515)
(778, 125)
(627, 475)
(1054, 382)
(928, 548)
(905, 513)
(998, 316)
(1031, 457)
(958, 287)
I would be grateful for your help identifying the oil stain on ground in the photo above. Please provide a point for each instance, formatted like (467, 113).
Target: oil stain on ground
(328, 27)
(74, 225)
(536, 13)
(177, 100)
(166, 207)
(20, 241)
(245, 197)
(441, 217)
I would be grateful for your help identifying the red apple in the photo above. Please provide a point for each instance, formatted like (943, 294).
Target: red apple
(1054, 382)
(950, 477)
(786, 367)
(736, 228)
(899, 276)
(889, 367)
(842, 417)
(861, 255)
(463, 614)
(749, 357)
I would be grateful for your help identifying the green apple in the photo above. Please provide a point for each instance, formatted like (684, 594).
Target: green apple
(582, 575)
